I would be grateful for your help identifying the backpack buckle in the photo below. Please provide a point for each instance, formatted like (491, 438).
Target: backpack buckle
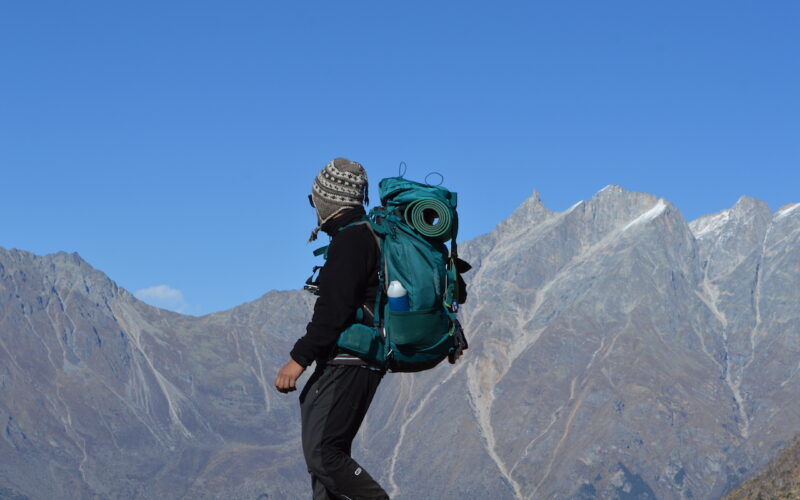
(312, 286)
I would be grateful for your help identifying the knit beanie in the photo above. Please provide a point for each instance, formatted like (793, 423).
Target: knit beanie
(342, 184)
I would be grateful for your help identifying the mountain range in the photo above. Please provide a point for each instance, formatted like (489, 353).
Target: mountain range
(616, 351)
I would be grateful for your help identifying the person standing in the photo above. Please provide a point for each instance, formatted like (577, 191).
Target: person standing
(338, 394)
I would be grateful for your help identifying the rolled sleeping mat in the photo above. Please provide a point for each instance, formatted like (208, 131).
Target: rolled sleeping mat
(430, 218)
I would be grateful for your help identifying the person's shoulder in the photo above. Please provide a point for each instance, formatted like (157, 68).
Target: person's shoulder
(354, 232)
(354, 236)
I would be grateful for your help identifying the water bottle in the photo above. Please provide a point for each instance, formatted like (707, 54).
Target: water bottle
(398, 297)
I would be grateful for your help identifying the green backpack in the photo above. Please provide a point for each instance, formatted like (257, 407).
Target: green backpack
(411, 229)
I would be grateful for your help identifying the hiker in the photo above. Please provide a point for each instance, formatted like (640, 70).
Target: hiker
(336, 397)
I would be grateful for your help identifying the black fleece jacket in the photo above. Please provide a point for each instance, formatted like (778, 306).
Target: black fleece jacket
(348, 280)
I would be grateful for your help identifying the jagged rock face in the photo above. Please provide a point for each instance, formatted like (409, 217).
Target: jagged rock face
(616, 352)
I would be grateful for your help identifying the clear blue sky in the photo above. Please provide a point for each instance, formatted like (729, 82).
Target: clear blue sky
(174, 143)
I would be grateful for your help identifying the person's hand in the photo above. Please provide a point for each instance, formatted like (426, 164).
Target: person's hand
(287, 377)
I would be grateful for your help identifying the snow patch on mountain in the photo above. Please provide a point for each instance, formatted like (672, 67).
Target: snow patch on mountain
(709, 223)
(786, 210)
(651, 214)
(573, 207)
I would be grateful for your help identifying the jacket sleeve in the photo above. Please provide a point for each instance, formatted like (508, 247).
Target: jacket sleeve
(342, 284)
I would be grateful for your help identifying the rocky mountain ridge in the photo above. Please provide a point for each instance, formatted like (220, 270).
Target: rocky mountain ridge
(617, 351)
(780, 480)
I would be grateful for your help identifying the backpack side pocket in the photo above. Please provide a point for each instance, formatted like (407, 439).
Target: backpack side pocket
(365, 342)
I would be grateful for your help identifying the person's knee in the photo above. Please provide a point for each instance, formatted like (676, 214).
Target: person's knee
(323, 460)
(332, 458)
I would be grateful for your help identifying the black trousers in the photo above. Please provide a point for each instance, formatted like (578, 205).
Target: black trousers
(332, 407)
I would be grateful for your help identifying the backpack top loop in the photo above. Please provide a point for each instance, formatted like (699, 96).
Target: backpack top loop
(441, 179)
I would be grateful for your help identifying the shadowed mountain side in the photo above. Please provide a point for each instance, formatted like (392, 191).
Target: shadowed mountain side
(616, 351)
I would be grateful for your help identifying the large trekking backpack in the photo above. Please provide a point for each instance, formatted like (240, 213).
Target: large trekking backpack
(411, 227)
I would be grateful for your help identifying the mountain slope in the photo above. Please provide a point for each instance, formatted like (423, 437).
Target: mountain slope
(106, 397)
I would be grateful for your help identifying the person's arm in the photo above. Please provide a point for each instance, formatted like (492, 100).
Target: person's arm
(343, 279)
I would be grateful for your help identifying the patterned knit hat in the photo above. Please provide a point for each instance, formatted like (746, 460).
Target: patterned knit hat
(342, 184)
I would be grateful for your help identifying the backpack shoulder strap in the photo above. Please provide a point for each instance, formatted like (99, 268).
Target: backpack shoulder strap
(368, 223)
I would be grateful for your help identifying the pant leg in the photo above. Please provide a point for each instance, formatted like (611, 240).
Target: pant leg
(319, 491)
(332, 407)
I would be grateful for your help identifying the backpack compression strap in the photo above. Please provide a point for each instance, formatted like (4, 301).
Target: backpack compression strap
(451, 299)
